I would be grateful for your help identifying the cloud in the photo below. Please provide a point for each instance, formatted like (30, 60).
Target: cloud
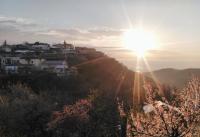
(15, 29)
(22, 29)
(97, 36)
(17, 22)
(106, 31)
(92, 33)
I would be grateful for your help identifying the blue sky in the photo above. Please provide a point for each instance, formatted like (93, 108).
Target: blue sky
(100, 23)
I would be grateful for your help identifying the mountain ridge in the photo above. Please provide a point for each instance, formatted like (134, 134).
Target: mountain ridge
(174, 77)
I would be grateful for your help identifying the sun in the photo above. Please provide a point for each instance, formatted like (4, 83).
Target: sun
(139, 41)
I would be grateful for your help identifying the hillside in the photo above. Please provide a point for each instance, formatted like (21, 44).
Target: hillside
(175, 77)
(47, 105)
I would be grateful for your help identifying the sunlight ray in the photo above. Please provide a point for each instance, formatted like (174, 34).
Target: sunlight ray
(152, 74)
(136, 85)
(121, 80)
(126, 14)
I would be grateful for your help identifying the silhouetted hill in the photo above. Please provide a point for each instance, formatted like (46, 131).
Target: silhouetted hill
(175, 77)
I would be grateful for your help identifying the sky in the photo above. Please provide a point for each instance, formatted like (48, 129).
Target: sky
(101, 23)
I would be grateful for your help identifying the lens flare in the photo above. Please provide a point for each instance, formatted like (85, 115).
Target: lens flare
(139, 41)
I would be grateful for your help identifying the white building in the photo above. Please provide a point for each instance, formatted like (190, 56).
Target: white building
(6, 48)
(31, 61)
(66, 48)
(59, 66)
(8, 60)
(24, 51)
(11, 69)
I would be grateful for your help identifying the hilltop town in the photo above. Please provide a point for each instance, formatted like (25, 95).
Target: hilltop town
(26, 58)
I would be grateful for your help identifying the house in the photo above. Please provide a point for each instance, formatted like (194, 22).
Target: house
(8, 60)
(7, 64)
(6, 49)
(10, 69)
(55, 50)
(23, 51)
(65, 48)
(27, 58)
(56, 65)
(18, 69)
(31, 60)
(40, 46)
(22, 47)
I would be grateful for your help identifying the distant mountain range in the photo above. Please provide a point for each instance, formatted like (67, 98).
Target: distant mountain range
(174, 77)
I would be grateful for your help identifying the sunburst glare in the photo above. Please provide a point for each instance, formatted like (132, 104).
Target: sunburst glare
(139, 41)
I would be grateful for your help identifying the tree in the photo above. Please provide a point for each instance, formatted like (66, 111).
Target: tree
(161, 117)
(71, 121)
(22, 113)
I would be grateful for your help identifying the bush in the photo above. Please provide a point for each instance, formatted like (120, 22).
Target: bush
(23, 113)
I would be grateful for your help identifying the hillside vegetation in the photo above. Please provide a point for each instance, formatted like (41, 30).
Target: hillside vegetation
(43, 104)
(97, 102)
